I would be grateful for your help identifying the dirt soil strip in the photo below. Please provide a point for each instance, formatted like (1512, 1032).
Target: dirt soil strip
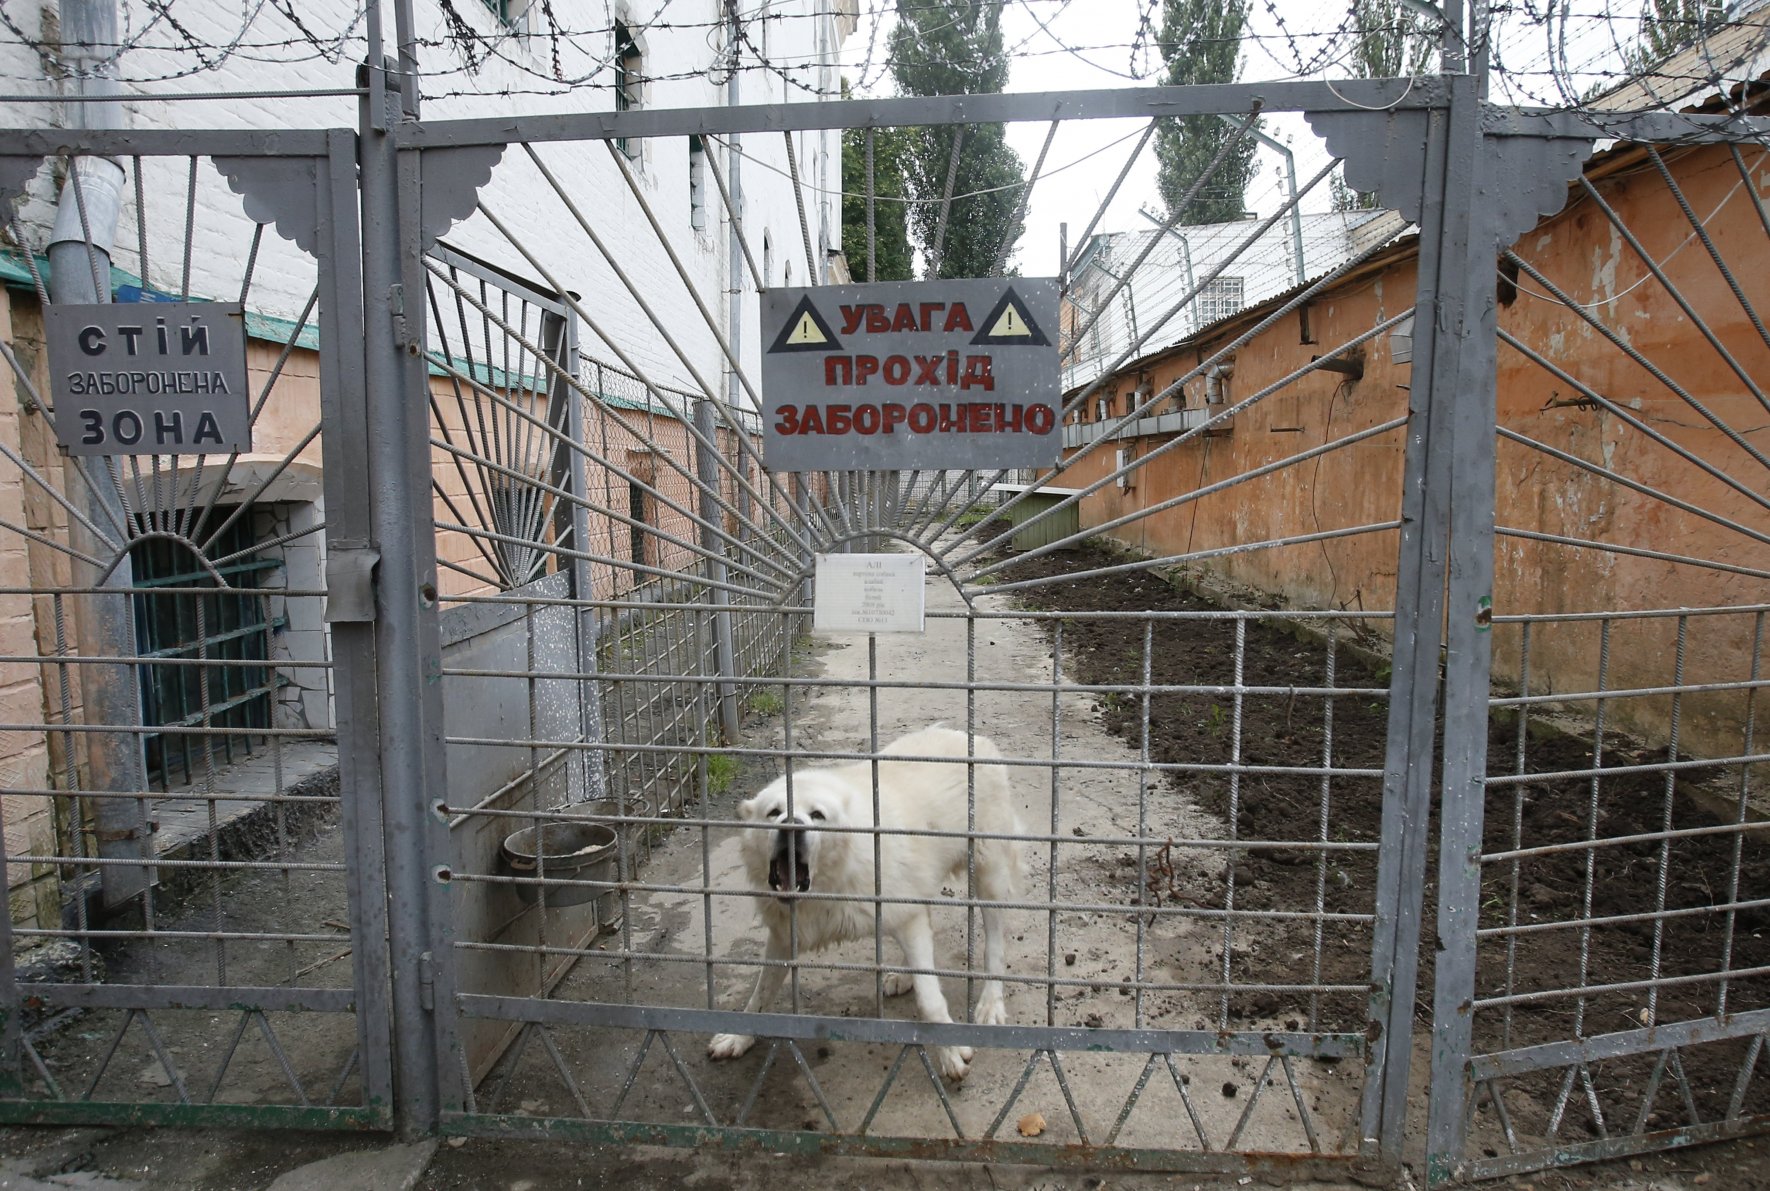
(1545, 889)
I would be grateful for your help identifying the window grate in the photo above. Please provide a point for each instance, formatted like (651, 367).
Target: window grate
(1220, 298)
(628, 78)
(228, 627)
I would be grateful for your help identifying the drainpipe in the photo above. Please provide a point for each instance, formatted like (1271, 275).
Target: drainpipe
(86, 218)
(79, 274)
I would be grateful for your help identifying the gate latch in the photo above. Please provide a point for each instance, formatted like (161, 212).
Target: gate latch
(350, 584)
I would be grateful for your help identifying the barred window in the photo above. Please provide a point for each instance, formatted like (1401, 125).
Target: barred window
(216, 650)
(629, 79)
(1219, 299)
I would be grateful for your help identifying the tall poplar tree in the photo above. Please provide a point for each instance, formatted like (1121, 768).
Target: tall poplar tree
(1200, 40)
(893, 259)
(954, 47)
(1391, 40)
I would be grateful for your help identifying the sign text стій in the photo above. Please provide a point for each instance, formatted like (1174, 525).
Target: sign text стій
(868, 593)
(161, 378)
(957, 373)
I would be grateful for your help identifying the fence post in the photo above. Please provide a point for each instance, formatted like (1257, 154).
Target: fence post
(707, 473)
(408, 644)
(1446, 356)
(1467, 312)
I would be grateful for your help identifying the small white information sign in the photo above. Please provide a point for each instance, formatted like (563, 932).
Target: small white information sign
(868, 593)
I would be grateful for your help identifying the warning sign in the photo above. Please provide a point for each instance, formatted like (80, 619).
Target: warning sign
(157, 379)
(1011, 324)
(905, 375)
(805, 331)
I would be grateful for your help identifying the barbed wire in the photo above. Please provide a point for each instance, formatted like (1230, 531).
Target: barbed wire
(1558, 54)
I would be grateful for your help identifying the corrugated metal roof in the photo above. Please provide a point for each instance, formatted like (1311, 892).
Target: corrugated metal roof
(1718, 64)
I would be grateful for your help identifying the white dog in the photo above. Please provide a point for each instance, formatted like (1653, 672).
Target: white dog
(915, 796)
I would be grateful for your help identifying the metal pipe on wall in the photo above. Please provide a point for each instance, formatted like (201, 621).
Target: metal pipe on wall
(86, 220)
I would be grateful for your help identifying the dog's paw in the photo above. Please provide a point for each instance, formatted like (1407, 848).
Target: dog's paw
(729, 1046)
(991, 1012)
(898, 983)
(954, 1061)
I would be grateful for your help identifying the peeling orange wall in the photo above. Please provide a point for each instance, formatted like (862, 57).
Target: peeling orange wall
(1580, 251)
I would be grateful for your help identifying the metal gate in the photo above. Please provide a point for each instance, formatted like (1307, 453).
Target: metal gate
(1599, 981)
(192, 805)
(564, 597)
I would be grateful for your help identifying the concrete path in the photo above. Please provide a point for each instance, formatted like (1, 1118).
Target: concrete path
(1096, 956)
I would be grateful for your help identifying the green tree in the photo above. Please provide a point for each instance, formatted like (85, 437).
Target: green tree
(892, 257)
(1200, 40)
(1667, 26)
(1391, 40)
(954, 47)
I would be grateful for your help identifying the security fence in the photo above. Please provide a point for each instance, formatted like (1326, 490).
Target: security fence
(529, 622)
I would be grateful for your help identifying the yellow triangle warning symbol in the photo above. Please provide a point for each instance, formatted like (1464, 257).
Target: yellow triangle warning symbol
(1009, 323)
(1010, 326)
(807, 333)
(805, 330)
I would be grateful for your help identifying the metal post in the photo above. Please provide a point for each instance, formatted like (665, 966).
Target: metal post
(1446, 356)
(588, 781)
(80, 266)
(706, 467)
(349, 534)
(707, 472)
(1290, 170)
(407, 643)
(1185, 261)
(1468, 312)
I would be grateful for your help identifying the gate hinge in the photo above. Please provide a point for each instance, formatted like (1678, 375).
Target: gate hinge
(350, 584)
(396, 305)
(426, 982)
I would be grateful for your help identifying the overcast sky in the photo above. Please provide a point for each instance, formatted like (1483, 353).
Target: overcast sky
(1061, 45)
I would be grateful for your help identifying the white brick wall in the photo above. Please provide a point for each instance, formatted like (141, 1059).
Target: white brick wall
(798, 32)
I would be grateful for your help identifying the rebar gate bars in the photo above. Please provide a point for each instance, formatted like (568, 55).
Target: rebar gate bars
(520, 573)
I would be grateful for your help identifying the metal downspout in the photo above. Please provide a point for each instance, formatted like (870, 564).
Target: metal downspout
(80, 274)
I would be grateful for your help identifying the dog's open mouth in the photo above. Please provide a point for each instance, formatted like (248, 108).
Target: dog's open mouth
(787, 869)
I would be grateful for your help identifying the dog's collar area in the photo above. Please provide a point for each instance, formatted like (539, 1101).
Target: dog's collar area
(787, 869)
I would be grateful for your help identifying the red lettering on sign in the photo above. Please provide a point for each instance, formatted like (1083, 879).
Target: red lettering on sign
(957, 318)
(929, 310)
(904, 319)
(851, 316)
(922, 418)
(838, 370)
(812, 422)
(787, 420)
(897, 369)
(865, 366)
(840, 421)
(1040, 419)
(866, 419)
(977, 374)
(894, 417)
(877, 321)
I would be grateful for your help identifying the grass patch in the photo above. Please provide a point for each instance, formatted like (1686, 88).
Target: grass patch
(722, 770)
(766, 702)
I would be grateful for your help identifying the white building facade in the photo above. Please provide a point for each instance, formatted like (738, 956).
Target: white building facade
(1130, 290)
(230, 66)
